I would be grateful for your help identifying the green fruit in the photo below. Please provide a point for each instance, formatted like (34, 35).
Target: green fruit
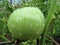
(26, 23)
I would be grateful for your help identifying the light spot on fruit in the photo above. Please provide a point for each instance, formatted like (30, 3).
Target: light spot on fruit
(43, 24)
(20, 34)
(30, 25)
(23, 22)
(12, 25)
(18, 19)
(37, 32)
(37, 24)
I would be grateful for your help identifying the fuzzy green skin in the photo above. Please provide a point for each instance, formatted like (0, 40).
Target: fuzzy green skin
(26, 23)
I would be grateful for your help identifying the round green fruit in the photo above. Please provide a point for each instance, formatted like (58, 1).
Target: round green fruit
(26, 23)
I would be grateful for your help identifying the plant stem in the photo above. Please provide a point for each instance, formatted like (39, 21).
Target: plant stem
(48, 20)
(53, 40)
(1, 43)
(3, 38)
